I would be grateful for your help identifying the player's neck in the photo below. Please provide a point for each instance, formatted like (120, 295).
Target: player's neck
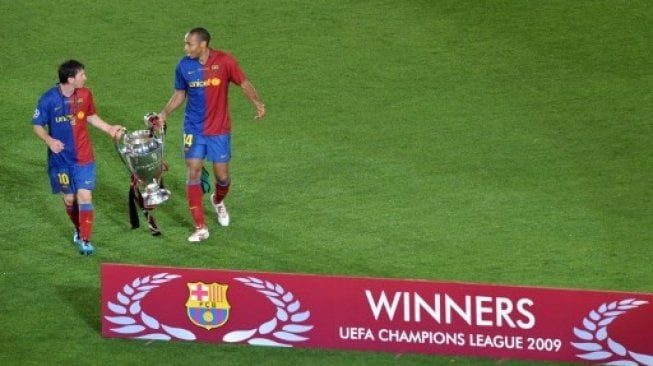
(204, 57)
(66, 89)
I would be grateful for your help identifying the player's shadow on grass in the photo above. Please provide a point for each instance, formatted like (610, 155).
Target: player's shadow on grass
(85, 302)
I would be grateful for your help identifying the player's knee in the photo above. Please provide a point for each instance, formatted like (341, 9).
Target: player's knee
(223, 181)
(69, 199)
(84, 196)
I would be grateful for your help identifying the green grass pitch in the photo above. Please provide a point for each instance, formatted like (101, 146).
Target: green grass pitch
(501, 141)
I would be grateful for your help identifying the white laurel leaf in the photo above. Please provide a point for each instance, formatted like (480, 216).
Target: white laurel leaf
(122, 320)
(300, 317)
(612, 305)
(129, 329)
(122, 298)
(172, 276)
(613, 313)
(282, 314)
(255, 280)
(622, 363)
(288, 297)
(279, 289)
(607, 321)
(119, 309)
(179, 333)
(602, 334)
(135, 307)
(147, 287)
(627, 307)
(600, 355)
(149, 321)
(159, 281)
(587, 347)
(238, 335)
(269, 285)
(269, 293)
(290, 337)
(136, 282)
(589, 325)
(155, 337)
(266, 342)
(128, 290)
(241, 279)
(146, 279)
(646, 360)
(616, 347)
(268, 326)
(297, 328)
(140, 295)
(594, 315)
(603, 308)
(255, 285)
(626, 301)
(640, 302)
(293, 307)
(276, 302)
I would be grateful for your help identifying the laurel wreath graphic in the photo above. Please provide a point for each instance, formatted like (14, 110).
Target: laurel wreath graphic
(285, 326)
(130, 317)
(597, 343)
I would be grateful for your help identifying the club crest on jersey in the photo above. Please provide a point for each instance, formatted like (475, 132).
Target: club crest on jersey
(207, 305)
(215, 67)
(37, 113)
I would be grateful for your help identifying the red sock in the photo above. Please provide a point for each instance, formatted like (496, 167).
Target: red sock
(221, 190)
(73, 213)
(85, 221)
(194, 195)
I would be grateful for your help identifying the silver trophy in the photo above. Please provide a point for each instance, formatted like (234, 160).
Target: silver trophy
(142, 152)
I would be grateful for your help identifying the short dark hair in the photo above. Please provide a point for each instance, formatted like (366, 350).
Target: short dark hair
(202, 34)
(69, 69)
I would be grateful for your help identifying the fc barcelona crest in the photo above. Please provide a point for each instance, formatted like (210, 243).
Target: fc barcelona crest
(207, 304)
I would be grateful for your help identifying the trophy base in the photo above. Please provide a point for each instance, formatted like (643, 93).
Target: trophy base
(154, 195)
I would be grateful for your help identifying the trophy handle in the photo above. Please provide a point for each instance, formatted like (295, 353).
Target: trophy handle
(156, 129)
(116, 143)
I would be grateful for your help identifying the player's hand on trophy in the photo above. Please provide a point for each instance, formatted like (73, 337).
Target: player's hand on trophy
(116, 131)
(161, 119)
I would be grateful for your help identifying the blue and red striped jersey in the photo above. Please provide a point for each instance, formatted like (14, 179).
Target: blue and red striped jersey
(207, 91)
(66, 121)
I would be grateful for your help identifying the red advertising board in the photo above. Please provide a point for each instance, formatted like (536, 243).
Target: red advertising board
(377, 314)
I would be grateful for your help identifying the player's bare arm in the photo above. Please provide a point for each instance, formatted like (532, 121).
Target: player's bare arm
(55, 145)
(253, 97)
(177, 99)
(115, 131)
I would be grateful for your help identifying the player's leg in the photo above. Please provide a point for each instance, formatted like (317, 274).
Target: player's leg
(86, 215)
(61, 182)
(72, 209)
(219, 152)
(194, 194)
(194, 153)
(222, 184)
(84, 182)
